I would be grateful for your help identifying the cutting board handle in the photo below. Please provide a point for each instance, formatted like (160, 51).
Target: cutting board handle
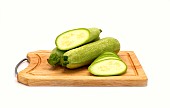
(16, 67)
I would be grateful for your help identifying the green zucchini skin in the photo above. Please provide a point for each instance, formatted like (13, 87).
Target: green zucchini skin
(98, 38)
(55, 56)
(85, 54)
(93, 35)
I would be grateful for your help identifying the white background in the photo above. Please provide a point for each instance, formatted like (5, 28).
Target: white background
(142, 26)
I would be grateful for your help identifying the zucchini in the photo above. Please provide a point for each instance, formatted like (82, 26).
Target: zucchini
(85, 54)
(107, 55)
(54, 58)
(98, 38)
(56, 54)
(107, 64)
(108, 67)
(105, 58)
(76, 37)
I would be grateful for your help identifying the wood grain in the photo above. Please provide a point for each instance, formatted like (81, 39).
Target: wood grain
(40, 73)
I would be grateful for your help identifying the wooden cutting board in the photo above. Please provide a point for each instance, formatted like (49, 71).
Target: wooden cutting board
(40, 73)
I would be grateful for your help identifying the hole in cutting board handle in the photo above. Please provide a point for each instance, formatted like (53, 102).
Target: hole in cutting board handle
(16, 67)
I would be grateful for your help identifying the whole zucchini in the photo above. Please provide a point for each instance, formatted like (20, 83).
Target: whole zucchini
(56, 54)
(85, 54)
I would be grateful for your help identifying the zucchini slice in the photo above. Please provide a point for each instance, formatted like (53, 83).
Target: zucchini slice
(108, 67)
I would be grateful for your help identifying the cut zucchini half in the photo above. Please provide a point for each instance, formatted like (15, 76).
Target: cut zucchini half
(77, 37)
(72, 38)
(108, 67)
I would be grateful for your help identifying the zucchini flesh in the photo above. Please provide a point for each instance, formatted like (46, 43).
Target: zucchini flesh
(76, 37)
(85, 54)
(108, 67)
